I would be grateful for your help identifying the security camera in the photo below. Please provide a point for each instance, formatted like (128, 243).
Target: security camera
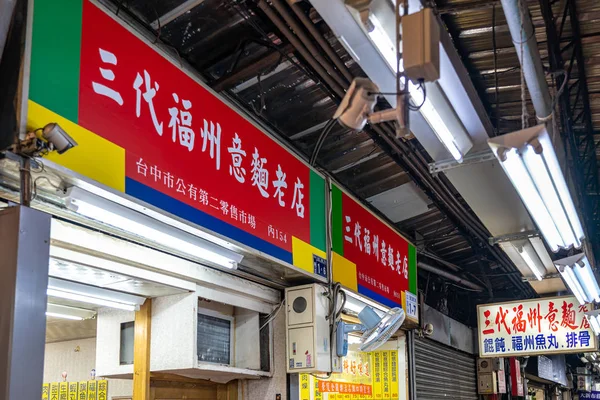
(428, 330)
(57, 138)
(357, 107)
(358, 104)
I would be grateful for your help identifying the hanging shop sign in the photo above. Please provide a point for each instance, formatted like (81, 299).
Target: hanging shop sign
(370, 257)
(369, 376)
(531, 327)
(147, 128)
(86, 390)
(589, 395)
(516, 379)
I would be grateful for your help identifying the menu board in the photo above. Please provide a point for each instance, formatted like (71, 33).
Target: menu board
(365, 375)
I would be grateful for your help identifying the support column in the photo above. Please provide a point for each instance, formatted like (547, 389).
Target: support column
(141, 352)
(24, 249)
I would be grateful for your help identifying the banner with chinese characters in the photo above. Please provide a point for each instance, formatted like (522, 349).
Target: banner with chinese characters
(147, 128)
(86, 390)
(533, 327)
(369, 376)
(370, 257)
(589, 395)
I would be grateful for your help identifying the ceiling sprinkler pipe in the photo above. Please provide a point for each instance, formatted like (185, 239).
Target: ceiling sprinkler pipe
(450, 276)
(531, 61)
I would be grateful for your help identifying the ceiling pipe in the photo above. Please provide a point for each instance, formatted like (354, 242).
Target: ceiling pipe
(301, 48)
(531, 62)
(450, 276)
(413, 161)
(283, 10)
(321, 40)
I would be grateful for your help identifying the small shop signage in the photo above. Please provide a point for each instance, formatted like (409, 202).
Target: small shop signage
(147, 128)
(370, 257)
(531, 327)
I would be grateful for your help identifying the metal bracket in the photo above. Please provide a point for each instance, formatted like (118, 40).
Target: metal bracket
(475, 158)
(547, 276)
(513, 236)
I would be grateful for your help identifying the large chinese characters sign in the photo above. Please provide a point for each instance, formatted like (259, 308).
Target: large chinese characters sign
(147, 128)
(371, 257)
(541, 326)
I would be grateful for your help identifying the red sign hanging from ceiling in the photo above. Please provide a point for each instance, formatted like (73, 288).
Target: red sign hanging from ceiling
(182, 141)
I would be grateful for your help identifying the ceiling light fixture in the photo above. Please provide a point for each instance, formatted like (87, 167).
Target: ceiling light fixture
(68, 312)
(533, 266)
(63, 316)
(579, 276)
(108, 212)
(529, 160)
(435, 107)
(93, 295)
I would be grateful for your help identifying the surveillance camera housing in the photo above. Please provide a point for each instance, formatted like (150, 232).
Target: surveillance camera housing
(428, 330)
(58, 138)
(358, 104)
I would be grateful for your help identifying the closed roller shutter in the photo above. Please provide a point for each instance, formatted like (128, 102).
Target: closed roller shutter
(444, 373)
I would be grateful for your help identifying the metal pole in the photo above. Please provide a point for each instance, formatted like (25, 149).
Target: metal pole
(411, 367)
(293, 39)
(25, 249)
(450, 276)
(25, 174)
(531, 61)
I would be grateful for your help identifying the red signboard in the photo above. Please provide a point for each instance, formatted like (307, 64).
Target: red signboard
(186, 151)
(385, 262)
(516, 380)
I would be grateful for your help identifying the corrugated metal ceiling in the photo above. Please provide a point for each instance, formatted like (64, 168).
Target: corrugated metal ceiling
(241, 54)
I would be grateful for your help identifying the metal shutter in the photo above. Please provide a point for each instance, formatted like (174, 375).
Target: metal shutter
(443, 373)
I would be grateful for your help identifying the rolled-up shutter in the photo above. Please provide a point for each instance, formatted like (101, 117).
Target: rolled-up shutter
(444, 373)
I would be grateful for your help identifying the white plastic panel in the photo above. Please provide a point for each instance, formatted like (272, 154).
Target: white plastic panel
(301, 348)
(294, 297)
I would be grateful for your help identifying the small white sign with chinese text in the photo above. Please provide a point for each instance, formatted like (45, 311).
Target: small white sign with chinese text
(540, 326)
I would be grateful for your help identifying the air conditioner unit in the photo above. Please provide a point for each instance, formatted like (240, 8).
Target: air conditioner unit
(308, 338)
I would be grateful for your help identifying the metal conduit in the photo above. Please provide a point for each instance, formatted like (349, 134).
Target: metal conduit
(450, 276)
(296, 42)
(531, 61)
(414, 162)
(321, 41)
(291, 21)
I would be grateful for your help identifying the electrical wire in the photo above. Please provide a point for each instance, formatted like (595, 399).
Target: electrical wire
(271, 317)
(326, 129)
(423, 88)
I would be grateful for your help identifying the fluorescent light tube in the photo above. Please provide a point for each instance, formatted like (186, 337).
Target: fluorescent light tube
(560, 184)
(593, 320)
(541, 178)
(110, 213)
(92, 295)
(531, 264)
(355, 302)
(352, 339)
(68, 312)
(440, 128)
(585, 276)
(574, 285)
(90, 300)
(383, 43)
(63, 316)
(529, 160)
(517, 173)
(579, 276)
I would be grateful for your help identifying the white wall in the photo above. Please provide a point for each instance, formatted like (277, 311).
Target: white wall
(62, 356)
(267, 388)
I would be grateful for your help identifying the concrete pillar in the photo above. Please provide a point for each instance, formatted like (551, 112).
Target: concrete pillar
(24, 253)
